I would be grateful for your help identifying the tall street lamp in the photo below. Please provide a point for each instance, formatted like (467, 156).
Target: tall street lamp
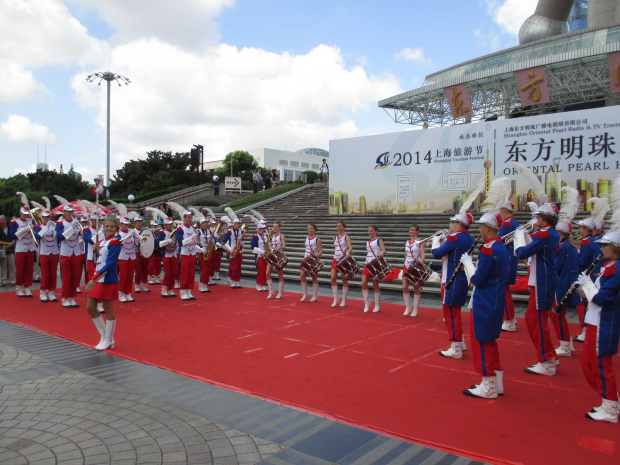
(108, 77)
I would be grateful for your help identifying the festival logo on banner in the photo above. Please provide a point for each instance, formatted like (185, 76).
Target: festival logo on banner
(459, 102)
(614, 72)
(533, 88)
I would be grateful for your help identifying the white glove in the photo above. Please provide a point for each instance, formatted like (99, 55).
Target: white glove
(188, 240)
(227, 248)
(437, 241)
(588, 287)
(143, 239)
(257, 251)
(164, 243)
(519, 240)
(201, 249)
(127, 238)
(468, 266)
(81, 241)
(44, 230)
(68, 233)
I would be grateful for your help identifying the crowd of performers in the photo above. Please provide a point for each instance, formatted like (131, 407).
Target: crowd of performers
(107, 251)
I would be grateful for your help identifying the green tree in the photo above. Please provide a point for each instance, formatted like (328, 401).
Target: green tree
(243, 165)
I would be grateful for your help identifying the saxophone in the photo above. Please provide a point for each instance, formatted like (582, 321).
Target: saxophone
(238, 245)
(268, 244)
(211, 242)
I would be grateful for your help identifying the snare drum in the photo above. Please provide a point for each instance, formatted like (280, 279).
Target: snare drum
(312, 265)
(378, 268)
(348, 267)
(418, 273)
(277, 260)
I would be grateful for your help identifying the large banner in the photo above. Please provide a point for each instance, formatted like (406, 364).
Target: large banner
(432, 170)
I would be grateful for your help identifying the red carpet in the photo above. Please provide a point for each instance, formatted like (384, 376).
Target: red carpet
(380, 371)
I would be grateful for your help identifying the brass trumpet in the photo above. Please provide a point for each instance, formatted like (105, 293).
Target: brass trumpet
(445, 232)
(510, 237)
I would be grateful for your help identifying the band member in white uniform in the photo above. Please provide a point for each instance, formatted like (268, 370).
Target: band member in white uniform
(170, 252)
(342, 247)
(187, 238)
(49, 255)
(277, 243)
(22, 233)
(413, 253)
(375, 248)
(259, 239)
(142, 264)
(71, 256)
(155, 260)
(126, 261)
(313, 247)
(204, 234)
(233, 237)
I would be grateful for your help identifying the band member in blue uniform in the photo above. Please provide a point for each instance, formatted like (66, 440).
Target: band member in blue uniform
(487, 306)
(458, 242)
(509, 224)
(603, 329)
(542, 281)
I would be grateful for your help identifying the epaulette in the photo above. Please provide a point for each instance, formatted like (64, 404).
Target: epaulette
(610, 269)
(179, 228)
(115, 241)
(507, 223)
(487, 249)
(585, 241)
(543, 234)
(13, 222)
(453, 237)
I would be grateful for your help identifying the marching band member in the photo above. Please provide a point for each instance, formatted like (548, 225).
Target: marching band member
(205, 265)
(375, 248)
(509, 224)
(458, 242)
(187, 238)
(126, 260)
(155, 259)
(20, 231)
(232, 238)
(542, 282)
(342, 248)
(86, 232)
(259, 239)
(413, 253)
(104, 285)
(603, 328)
(278, 242)
(49, 255)
(167, 240)
(487, 305)
(142, 264)
(71, 255)
(313, 247)
(216, 253)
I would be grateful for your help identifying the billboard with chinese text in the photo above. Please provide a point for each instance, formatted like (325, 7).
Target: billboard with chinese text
(433, 170)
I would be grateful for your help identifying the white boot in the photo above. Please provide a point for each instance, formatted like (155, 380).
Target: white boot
(455, 351)
(189, 294)
(122, 297)
(177, 285)
(216, 276)
(407, 298)
(335, 292)
(151, 279)
(129, 298)
(108, 342)
(20, 291)
(581, 337)
(164, 292)
(542, 368)
(606, 412)
(377, 302)
(156, 280)
(485, 390)
(204, 288)
(463, 346)
(270, 287)
(51, 297)
(100, 308)
(27, 292)
(171, 293)
(43, 296)
(73, 302)
(499, 382)
(510, 325)
(99, 323)
(564, 349)
(572, 346)
(183, 294)
(143, 288)
(136, 288)
(304, 291)
(366, 300)
(416, 304)
(66, 303)
(280, 290)
(78, 290)
(345, 291)
(315, 295)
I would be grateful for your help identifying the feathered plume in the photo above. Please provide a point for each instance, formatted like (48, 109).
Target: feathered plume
(61, 200)
(570, 204)
(601, 207)
(23, 197)
(231, 213)
(83, 208)
(48, 204)
(532, 206)
(131, 215)
(209, 212)
(496, 195)
(37, 205)
(91, 207)
(176, 207)
(255, 220)
(615, 202)
(472, 197)
(197, 215)
(533, 181)
(119, 207)
(156, 214)
(257, 214)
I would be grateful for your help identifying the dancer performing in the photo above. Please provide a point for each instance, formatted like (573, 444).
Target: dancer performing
(375, 249)
(311, 263)
(104, 285)
(458, 242)
(342, 249)
(49, 255)
(414, 253)
(278, 245)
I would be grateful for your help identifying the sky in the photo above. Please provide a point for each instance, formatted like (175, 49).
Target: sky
(225, 74)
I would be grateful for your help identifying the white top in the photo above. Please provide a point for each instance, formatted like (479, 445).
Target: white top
(593, 315)
(340, 247)
(413, 253)
(189, 232)
(128, 247)
(71, 246)
(276, 241)
(312, 246)
(172, 248)
(262, 238)
(373, 249)
(48, 245)
(324, 168)
(26, 243)
(204, 237)
(235, 236)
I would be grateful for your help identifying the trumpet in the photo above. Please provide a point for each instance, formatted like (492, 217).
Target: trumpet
(445, 232)
(510, 237)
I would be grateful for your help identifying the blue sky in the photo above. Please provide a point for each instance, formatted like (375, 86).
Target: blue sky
(227, 74)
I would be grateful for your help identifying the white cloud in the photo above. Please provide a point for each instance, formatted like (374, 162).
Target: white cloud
(510, 14)
(414, 54)
(21, 129)
(492, 40)
(227, 98)
(186, 23)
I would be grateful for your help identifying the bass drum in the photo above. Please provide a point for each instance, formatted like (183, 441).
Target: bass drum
(147, 246)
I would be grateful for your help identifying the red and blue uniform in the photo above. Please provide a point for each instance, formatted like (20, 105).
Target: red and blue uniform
(508, 226)
(488, 299)
(567, 265)
(107, 266)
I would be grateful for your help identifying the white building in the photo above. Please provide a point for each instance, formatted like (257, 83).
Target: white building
(290, 165)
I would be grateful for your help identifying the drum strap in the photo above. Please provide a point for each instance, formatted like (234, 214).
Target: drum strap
(410, 246)
(370, 246)
(339, 241)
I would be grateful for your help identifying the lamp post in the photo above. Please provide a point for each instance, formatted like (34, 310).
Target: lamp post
(232, 156)
(108, 77)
